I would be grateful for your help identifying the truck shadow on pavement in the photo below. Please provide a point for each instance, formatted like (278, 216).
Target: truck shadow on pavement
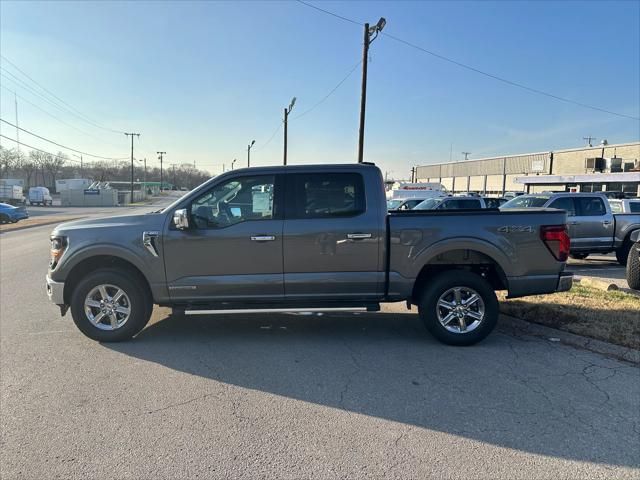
(513, 391)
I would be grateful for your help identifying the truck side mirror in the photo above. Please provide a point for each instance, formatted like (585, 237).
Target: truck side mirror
(181, 219)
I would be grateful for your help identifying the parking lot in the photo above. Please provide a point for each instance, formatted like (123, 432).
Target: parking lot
(298, 396)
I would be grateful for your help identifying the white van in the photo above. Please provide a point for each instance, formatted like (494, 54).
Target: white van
(40, 196)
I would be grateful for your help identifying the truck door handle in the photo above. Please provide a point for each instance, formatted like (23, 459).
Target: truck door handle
(575, 223)
(263, 238)
(606, 222)
(358, 236)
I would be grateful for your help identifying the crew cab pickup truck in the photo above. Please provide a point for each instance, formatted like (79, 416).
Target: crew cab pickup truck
(593, 228)
(303, 237)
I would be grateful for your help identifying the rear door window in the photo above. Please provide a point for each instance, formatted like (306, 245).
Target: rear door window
(591, 206)
(634, 207)
(325, 195)
(564, 203)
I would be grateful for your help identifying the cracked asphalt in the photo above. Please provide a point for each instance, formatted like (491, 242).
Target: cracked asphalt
(297, 396)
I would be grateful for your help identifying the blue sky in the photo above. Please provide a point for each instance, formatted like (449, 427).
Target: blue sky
(200, 80)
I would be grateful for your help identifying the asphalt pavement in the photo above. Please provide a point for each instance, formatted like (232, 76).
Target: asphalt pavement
(602, 267)
(297, 396)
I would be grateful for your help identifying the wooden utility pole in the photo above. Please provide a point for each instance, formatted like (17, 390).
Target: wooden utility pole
(132, 135)
(287, 111)
(370, 34)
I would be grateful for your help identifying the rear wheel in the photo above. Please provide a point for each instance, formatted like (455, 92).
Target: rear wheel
(110, 306)
(633, 267)
(459, 307)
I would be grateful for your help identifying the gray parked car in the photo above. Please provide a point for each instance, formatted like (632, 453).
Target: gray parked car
(302, 237)
(593, 228)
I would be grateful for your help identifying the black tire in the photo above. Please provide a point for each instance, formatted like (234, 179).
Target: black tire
(141, 305)
(623, 253)
(633, 267)
(579, 256)
(428, 308)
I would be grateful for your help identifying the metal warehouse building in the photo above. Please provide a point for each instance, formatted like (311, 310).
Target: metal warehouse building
(587, 169)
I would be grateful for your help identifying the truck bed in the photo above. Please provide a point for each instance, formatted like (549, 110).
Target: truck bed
(509, 241)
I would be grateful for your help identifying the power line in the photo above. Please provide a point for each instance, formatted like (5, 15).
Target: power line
(58, 144)
(59, 119)
(39, 150)
(330, 93)
(473, 69)
(78, 112)
(264, 145)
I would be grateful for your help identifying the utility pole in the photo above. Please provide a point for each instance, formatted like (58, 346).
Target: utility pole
(287, 111)
(249, 153)
(132, 135)
(145, 172)
(589, 139)
(466, 155)
(81, 165)
(370, 34)
(160, 158)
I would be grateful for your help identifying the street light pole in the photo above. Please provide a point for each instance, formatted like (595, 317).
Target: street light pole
(249, 153)
(132, 135)
(233, 163)
(160, 158)
(370, 34)
(287, 111)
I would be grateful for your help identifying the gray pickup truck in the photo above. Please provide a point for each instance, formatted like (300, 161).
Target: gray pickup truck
(302, 238)
(593, 227)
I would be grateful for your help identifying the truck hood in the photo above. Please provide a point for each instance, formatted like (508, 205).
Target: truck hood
(150, 221)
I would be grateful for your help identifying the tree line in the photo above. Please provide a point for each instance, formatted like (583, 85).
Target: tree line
(39, 168)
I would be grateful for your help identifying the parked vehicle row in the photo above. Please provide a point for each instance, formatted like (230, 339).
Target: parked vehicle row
(304, 237)
(593, 227)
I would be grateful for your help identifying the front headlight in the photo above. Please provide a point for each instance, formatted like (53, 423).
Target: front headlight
(58, 247)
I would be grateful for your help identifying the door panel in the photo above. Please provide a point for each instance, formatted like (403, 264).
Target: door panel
(568, 205)
(233, 250)
(593, 227)
(331, 238)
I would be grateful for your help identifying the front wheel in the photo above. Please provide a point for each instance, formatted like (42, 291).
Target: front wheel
(459, 307)
(109, 306)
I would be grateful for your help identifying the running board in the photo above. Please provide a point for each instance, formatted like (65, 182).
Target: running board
(271, 310)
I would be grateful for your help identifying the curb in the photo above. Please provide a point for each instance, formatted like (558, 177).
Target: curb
(551, 334)
(44, 224)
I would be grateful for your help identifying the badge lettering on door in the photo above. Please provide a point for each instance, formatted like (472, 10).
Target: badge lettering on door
(515, 229)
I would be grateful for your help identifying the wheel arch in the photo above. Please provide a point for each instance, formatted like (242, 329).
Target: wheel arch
(91, 263)
(468, 259)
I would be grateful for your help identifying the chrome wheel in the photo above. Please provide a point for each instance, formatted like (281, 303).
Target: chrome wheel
(107, 307)
(460, 310)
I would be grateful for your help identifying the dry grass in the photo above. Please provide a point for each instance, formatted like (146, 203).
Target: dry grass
(37, 221)
(613, 317)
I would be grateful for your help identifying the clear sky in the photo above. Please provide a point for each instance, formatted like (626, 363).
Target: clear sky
(202, 79)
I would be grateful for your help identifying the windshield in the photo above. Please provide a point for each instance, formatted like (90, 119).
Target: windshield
(428, 204)
(526, 201)
(393, 204)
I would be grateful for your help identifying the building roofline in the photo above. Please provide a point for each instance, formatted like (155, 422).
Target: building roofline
(546, 152)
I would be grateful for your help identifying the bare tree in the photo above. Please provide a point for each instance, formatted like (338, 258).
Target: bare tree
(52, 164)
(8, 158)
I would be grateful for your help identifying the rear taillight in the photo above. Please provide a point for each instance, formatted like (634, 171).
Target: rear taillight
(557, 240)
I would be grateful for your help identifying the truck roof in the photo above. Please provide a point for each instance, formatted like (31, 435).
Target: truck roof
(315, 167)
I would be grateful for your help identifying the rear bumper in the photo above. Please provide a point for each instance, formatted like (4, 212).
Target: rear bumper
(55, 291)
(539, 284)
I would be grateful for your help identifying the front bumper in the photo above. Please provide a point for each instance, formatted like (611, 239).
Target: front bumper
(55, 291)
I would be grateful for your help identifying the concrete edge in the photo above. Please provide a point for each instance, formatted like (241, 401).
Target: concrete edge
(597, 346)
(44, 224)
